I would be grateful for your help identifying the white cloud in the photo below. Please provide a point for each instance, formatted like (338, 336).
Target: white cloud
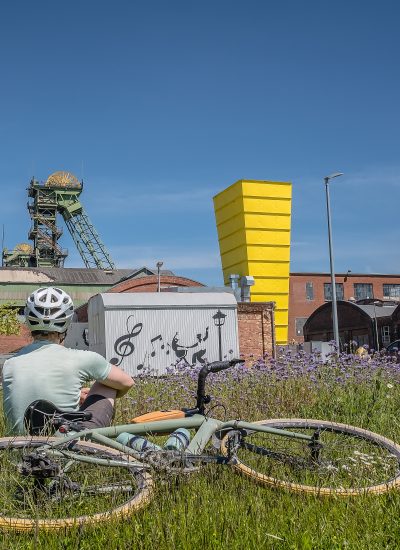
(362, 253)
(154, 198)
(137, 256)
(376, 176)
(368, 175)
(300, 244)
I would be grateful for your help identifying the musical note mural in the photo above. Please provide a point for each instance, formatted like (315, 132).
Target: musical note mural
(123, 346)
(189, 353)
(158, 339)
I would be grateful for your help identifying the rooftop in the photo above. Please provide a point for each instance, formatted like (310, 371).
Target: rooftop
(378, 311)
(71, 275)
(81, 283)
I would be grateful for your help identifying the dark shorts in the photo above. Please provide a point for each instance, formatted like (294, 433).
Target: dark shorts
(101, 409)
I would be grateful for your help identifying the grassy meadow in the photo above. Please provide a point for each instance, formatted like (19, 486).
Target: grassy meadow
(218, 509)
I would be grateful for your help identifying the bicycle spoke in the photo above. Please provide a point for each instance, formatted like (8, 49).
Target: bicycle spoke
(37, 485)
(336, 459)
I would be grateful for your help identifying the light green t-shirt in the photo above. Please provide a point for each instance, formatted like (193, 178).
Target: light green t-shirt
(48, 371)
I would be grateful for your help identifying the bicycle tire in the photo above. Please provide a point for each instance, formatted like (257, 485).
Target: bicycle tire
(12, 447)
(294, 481)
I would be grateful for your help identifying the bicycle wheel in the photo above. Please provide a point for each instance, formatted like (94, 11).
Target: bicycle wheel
(40, 491)
(345, 460)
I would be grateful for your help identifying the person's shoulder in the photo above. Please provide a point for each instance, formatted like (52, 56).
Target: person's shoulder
(90, 363)
(24, 350)
(20, 353)
(84, 354)
(8, 363)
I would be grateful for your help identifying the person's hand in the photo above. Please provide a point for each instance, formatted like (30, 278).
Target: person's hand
(84, 394)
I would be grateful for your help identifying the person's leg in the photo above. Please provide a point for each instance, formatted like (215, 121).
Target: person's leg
(100, 402)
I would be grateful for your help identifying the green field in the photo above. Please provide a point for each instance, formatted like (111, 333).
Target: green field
(217, 508)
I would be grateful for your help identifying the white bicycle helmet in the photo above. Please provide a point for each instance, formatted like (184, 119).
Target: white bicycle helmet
(49, 309)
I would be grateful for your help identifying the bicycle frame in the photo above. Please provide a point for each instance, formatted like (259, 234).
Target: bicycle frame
(195, 418)
(206, 428)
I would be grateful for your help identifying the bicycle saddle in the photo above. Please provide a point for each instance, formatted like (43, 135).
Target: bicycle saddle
(42, 416)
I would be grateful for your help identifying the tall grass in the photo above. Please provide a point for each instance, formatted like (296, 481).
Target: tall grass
(218, 509)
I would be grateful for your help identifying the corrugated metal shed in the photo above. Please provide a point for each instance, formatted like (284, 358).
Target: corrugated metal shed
(152, 332)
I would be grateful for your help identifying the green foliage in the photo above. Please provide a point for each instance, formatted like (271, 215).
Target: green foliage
(9, 323)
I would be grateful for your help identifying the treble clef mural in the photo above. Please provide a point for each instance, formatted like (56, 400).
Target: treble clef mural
(123, 346)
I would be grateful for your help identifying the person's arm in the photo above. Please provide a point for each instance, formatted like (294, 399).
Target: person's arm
(118, 380)
(84, 393)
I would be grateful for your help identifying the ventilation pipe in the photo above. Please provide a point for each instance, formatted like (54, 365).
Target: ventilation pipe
(245, 283)
(234, 283)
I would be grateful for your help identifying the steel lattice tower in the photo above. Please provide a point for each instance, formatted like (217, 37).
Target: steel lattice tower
(60, 194)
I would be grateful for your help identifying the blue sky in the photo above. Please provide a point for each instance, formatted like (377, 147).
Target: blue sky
(160, 105)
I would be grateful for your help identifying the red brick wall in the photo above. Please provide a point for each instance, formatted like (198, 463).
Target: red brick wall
(149, 284)
(9, 344)
(256, 329)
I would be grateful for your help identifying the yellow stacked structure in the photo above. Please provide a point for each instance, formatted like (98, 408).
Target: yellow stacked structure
(253, 223)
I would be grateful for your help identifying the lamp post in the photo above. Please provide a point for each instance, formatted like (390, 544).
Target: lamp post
(333, 282)
(376, 326)
(347, 275)
(219, 320)
(159, 266)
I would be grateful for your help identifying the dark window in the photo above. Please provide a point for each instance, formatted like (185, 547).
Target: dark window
(328, 291)
(386, 334)
(391, 291)
(309, 291)
(299, 323)
(363, 290)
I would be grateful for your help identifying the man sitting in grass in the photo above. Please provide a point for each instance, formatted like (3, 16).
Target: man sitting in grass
(47, 370)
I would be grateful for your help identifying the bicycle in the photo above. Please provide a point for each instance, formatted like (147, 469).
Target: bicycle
(87, 477)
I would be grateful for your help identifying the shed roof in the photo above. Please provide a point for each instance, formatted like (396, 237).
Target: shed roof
(378, 311)
(165, 299)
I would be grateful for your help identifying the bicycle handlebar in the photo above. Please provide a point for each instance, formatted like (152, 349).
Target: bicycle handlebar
(222, 365)
(217, 366)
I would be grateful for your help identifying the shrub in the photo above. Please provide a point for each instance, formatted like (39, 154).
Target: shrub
(9, 323)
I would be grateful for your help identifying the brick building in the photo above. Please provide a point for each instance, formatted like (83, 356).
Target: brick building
(308, 291)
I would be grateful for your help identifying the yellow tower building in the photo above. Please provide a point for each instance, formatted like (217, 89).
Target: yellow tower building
(253, 223)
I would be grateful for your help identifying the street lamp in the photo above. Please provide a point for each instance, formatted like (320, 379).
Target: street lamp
(333, 283)
(219, 321)
(376, 325)
(159, 266)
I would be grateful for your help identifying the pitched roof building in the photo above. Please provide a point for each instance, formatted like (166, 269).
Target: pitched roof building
(16, 283)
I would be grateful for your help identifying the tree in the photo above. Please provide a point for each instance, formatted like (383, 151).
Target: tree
(9, 323)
